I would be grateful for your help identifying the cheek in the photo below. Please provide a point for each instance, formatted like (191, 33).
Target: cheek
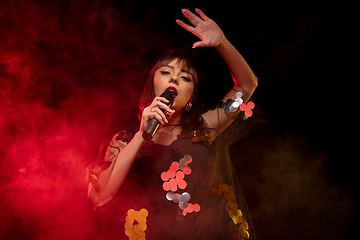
(157, 85)
(187, 94)
(190, 91)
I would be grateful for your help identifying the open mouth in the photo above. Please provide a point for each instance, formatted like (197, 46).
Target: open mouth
(172, 89)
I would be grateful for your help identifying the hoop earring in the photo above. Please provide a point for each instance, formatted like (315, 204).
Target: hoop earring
(188, 106)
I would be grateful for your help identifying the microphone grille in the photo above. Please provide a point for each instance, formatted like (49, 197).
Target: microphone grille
(169, 95)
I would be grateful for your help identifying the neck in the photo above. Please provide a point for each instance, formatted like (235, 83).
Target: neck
(169, 132)
(174, 120)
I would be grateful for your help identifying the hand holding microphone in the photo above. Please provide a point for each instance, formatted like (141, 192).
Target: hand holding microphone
(156, 112)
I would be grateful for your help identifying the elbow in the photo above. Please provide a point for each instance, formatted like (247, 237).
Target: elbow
(97, 199)
(94, 190)
(99, 195)
(255, 82)
(93, 197)
(250, 87)
(254, 85)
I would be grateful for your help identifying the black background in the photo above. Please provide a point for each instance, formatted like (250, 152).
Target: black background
(72, 73)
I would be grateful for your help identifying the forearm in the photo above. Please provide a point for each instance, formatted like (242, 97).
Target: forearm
(111, 182)
(239, 69)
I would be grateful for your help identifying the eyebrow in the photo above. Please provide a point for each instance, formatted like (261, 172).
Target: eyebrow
(183, 70)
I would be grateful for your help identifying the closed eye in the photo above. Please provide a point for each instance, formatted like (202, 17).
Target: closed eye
(163, 72)
(186, 79)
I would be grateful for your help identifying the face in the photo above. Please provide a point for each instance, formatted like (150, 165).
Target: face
(177, 76)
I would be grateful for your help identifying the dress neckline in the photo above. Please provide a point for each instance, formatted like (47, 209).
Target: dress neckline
(172, 143)
(177, 141)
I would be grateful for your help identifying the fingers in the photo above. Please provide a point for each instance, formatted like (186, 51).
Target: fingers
(195, 20)
(158, 115)
(203, 16)
(192, 17)
(160, 102)
(155, 110)
(187, 27)
(150, 113)
(184, 25)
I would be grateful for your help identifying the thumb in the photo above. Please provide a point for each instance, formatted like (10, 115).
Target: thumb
(198, 44)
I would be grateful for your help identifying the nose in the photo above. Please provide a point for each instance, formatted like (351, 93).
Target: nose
(174, 80)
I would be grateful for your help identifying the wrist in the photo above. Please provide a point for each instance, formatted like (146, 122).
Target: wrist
(223, 43)
(138, 137)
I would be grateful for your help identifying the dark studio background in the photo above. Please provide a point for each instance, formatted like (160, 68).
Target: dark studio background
(72, 72)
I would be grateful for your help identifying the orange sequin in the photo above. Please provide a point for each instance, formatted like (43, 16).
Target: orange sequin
(232, 208)
(136, 231)
(197, 135)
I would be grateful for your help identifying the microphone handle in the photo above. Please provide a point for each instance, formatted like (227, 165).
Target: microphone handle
(151, 129)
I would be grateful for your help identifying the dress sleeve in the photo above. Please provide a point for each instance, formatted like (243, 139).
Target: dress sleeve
(117, 143)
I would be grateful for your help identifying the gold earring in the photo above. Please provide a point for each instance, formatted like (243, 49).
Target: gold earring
(188, 106)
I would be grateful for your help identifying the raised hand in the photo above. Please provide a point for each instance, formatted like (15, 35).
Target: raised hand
(205, 28)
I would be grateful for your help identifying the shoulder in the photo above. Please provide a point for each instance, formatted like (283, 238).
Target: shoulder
(127, 135)
(118, 142)
(122, 138)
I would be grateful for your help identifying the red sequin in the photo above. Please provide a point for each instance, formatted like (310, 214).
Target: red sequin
(173, 180)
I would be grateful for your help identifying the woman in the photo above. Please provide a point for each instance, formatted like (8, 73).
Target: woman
(169, 188)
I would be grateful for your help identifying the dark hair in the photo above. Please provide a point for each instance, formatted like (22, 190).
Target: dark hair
(190, 119)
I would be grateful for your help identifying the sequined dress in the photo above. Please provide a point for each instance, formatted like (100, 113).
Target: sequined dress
(173, 192)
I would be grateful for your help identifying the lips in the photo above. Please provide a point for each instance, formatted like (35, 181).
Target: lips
(173, 89)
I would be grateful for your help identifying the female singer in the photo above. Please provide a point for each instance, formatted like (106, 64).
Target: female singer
(171, 187)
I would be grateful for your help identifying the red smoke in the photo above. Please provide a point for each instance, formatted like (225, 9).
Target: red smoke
(62, 91)
(71, 73)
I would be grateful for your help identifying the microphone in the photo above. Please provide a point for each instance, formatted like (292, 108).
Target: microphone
(153, 124)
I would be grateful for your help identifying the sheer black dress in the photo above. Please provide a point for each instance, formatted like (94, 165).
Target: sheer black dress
(185, 190)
